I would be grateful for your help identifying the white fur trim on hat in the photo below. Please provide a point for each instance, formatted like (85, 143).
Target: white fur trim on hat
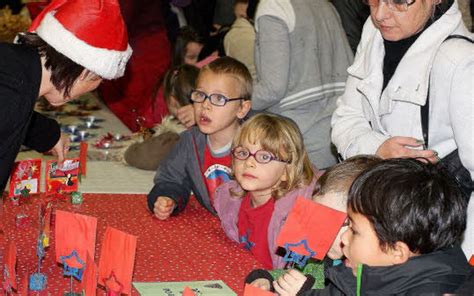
(108, 64)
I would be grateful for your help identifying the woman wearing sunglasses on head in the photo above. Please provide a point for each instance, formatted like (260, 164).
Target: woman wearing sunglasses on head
(410, 90)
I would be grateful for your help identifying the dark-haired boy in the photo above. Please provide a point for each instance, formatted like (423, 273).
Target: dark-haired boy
(64, 56)
(406, 221)
(201, 159)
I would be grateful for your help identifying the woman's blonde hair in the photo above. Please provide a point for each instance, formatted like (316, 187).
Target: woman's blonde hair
(282, 137)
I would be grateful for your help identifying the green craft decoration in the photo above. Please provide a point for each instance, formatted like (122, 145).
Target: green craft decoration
(76, 198)
(359, 278)
(316, 269)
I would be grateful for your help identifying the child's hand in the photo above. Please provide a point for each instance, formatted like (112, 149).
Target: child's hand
(290, 283)
(163, 207)
(186, 116)
(262, 283)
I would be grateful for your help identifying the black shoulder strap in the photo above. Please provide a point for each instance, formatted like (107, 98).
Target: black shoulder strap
(426, 108)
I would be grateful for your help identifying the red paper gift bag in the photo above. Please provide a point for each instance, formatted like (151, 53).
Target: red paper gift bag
(9, 264)
(74, 232)
(254, 291)
(89, 280)
(314, 223)
(117, 257)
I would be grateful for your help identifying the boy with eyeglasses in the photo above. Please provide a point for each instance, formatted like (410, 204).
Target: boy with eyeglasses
(201, 159)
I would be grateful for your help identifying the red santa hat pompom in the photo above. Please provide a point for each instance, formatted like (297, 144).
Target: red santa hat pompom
(91, 33)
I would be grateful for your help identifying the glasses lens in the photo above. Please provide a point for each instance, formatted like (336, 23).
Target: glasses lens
(218, 100)
(263, 156)
(241, 153)
(198, 96)
(398, 5)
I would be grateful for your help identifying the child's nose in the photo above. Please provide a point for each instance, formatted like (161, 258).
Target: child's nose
(250, 161)
(207, 103)
(345, 237)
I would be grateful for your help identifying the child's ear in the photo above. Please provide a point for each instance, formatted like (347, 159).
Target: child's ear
(400, 253)
(245, 107)
(284, 176)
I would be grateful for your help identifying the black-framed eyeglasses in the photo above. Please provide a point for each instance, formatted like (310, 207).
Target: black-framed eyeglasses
(198, 96)
(395, 5)
(261, 156)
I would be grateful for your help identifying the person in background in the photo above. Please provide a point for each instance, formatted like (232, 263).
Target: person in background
(63, 56)
(130, 97)
(148, 154)
(409, 93)
(301, 58)
(187, 47)
(239, 42)
(201, 159)
(271, 169)
(353, 15)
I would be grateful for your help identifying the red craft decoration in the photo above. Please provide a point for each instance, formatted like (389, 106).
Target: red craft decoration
(117, 256)
(254, 291)
(188, 292)
(74, 232)
(9, 263)
(83, 158)
(63, 178)
(89, 279)
(25, 175)
(313, 222)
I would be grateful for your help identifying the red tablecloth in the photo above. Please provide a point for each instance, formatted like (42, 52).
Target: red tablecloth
(190, 246)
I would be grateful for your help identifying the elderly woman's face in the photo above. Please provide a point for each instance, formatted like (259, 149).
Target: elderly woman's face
(398, 25)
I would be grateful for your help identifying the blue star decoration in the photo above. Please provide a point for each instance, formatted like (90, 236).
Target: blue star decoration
(244, 239)
(299, 259)
(73, 271)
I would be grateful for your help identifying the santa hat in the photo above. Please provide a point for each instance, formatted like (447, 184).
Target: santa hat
(91, 33)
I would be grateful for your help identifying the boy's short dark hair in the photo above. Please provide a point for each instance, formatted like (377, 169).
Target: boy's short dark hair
(236, 69)
(410, 201)
(64, 71)
(339, 177)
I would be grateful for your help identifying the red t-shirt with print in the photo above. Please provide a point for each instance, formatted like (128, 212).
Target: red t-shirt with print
(216, 171)
(253, 229)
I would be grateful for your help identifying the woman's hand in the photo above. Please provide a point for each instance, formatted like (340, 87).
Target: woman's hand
(290, 283)
(61, 148)
(403, 147)
(185, 115)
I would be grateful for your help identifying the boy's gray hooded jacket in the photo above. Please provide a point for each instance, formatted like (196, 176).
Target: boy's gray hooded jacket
(180, 173)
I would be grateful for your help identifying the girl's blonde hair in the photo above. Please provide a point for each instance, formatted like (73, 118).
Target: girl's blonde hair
(282, 137)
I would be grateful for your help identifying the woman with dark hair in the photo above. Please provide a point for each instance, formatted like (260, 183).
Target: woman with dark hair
(60, 59)
(410, 92)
